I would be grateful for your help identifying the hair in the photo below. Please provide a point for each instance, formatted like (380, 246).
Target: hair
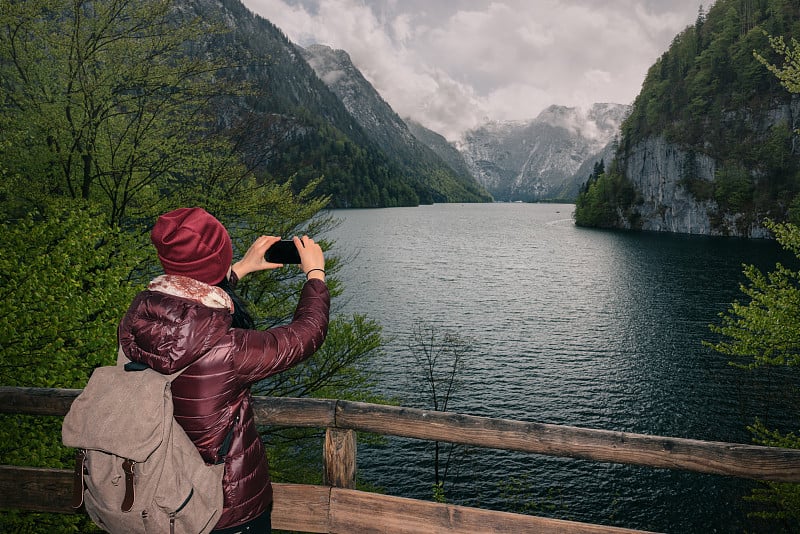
(241, 315)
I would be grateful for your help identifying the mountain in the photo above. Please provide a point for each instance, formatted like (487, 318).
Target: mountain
(292, 126)
(429, 172)
(441, 146)
(711, 144)
(541, 159)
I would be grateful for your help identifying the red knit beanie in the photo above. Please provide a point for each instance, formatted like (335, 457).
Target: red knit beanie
(191, 242)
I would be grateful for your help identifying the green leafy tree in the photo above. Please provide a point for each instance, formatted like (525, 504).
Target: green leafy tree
(63, 272)
(64, 275)
(105, 101)
(765, 331)
(604, 199)
(789, 72)
(105, 125)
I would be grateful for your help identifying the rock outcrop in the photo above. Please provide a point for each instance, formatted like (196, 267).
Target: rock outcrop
(657, 170)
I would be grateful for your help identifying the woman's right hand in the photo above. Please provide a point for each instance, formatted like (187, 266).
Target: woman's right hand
(312, 259)
(253, 259)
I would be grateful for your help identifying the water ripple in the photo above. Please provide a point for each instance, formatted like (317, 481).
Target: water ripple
(571, 326)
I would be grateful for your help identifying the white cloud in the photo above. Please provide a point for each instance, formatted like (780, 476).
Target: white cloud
(402, 28)
(516, 101)
(450, 65)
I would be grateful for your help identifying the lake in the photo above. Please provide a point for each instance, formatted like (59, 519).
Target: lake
(567, 325)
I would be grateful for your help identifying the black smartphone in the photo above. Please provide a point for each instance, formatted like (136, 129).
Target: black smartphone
(283, 251)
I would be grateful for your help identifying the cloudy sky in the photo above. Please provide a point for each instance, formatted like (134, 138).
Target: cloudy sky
(452, 64)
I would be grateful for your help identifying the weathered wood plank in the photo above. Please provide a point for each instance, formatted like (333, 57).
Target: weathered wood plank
(36, 401)
(339, 461)
(35, 489)
(296, 412)
(315, 509)
(732, 459)
(369, 513)
(300, 507)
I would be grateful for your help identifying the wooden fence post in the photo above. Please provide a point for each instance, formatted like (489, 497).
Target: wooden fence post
(339, 458)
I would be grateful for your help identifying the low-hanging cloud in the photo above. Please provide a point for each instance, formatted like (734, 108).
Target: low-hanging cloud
(453, 65)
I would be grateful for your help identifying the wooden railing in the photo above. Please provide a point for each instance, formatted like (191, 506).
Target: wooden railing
(338, 507)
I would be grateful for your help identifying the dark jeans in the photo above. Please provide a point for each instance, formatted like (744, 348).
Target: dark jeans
(260, 525)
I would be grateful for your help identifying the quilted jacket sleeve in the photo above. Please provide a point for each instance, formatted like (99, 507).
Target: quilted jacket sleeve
(259, 354)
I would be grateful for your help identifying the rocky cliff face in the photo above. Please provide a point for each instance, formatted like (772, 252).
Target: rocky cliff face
(335, 68)
(654, 168)
(540, 159)
(657, 170)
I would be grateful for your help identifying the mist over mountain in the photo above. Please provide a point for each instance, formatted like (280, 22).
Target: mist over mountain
(542, 159)
(313, 115)
(418, 161)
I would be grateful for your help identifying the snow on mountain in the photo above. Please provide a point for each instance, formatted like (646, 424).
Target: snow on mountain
(541, 159)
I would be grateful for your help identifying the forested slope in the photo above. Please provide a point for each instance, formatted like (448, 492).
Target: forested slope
(709, 146)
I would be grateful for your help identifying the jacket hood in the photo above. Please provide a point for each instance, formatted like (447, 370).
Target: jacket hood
(169, 326)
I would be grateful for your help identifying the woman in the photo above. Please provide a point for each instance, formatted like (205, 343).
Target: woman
(184, 320)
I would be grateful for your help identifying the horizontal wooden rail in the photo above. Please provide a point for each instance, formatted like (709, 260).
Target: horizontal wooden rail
(339, 508)
(718, 458)
(317, 509)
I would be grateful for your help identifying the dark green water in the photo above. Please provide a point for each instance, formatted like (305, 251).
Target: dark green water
(570, 326)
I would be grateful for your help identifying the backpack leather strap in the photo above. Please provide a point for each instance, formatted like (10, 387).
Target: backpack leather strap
(78, 484)
(127, 468)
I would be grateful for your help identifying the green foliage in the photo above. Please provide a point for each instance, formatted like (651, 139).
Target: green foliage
(760, 328)
(438, 492)
(103, 102)
(778, 502)
(64, 277)
(765, 331)
(733, 188)
(604, 199)
(789, 73)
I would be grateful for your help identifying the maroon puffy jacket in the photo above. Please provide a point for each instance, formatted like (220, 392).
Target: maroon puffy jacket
(179, 322)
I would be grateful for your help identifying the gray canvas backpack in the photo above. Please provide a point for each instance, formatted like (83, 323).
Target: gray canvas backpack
(136, 469)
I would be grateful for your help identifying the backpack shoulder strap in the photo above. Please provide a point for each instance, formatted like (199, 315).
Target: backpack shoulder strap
(129, 365)
(119, 412)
